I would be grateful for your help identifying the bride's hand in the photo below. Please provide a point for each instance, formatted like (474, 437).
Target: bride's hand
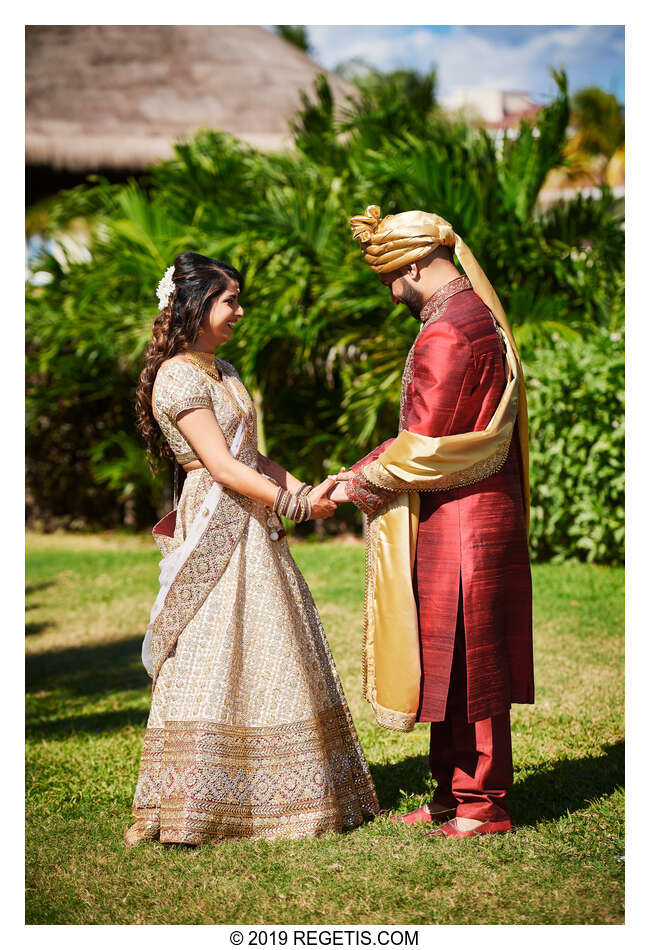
(321, 505)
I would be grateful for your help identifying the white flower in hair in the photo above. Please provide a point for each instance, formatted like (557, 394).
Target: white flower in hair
(166, 288)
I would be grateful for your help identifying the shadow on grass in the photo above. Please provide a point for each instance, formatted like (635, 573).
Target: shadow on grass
(94, 724)
(547, 794)
(88, 670)
(36, 627)
(410, 775)
(34, 588)
(32, 628)
(567, 785)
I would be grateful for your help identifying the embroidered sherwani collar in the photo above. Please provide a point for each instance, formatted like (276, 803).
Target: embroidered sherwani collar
(435, 305)
(431, 311)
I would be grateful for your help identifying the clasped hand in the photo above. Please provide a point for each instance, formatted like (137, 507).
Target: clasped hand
(322, 504)
(326, 497)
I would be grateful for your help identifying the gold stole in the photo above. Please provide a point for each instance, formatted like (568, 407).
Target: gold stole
(488, 295)
(414, 463)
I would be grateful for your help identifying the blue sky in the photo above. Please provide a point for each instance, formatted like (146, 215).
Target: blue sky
(505, 57)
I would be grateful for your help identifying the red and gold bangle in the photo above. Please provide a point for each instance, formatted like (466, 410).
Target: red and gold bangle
(282, 501)
(295, 507)
(305, 509)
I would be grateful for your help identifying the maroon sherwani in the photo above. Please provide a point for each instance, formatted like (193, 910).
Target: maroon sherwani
(472, 571)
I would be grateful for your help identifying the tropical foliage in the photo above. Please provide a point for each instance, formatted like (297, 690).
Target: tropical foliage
(576, 392)
(595, 150)
(321, 348)
(599, 121)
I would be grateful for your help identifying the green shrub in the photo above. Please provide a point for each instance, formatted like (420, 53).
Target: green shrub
(576, 394)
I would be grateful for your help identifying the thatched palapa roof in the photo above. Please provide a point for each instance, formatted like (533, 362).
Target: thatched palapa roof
(119, 96)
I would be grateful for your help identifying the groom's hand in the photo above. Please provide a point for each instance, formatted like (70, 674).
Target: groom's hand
(322, 506)
(340, 493)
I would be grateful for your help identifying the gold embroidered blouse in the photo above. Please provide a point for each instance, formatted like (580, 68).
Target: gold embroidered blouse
(181, 385)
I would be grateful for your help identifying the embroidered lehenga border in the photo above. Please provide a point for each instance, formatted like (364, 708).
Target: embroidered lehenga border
(217, 781)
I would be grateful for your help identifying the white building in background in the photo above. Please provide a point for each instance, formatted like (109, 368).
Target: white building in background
(490, 105)
(498, 111)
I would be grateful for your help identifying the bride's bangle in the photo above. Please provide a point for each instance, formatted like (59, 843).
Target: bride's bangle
(303, 490)
(295, 507)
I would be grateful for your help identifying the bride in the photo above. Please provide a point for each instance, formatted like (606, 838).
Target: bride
(249, 734)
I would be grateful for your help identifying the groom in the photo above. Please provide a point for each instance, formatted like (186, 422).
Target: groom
(471, 572)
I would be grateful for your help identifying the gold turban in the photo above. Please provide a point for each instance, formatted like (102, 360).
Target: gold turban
(393, 242)
(399, 239)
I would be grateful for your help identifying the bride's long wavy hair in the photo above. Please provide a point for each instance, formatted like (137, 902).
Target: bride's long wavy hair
(198, 280)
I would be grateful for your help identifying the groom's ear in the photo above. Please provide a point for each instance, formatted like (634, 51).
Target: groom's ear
(413, 270)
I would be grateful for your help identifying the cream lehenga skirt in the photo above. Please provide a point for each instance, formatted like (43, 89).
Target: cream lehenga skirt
(249, 733)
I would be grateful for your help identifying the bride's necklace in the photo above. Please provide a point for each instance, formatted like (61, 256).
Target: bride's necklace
(205, 361)
(210, 365)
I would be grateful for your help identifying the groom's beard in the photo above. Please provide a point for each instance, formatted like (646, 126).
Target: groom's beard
(413, 299)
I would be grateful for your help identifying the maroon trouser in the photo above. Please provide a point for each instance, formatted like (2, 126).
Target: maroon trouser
(471, 762)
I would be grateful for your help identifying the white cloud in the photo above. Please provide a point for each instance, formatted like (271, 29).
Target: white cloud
(502, 57)
(378, 45)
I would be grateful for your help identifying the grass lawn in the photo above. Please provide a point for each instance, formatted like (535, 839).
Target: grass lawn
(87, 702)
